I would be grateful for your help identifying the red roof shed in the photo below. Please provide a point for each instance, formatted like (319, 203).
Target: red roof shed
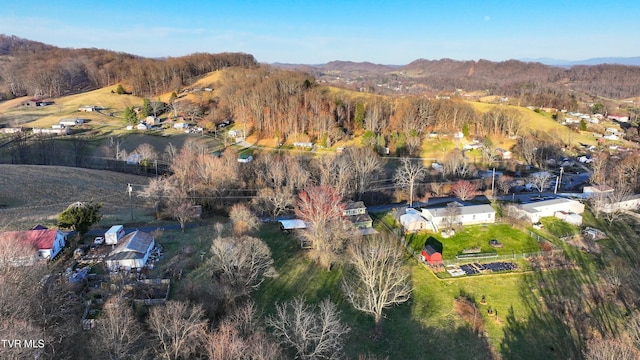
(431, 255)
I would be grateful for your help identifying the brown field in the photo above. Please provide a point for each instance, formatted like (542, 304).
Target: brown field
(34, 193)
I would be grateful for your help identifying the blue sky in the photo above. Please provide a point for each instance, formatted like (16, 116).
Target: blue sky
(314, 32)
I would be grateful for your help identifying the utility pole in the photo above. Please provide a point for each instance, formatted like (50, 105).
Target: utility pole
(130, 190)
(559, 181)
(493, 182)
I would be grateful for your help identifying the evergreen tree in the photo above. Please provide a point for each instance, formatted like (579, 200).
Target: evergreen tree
(80, 216)
(130, 116)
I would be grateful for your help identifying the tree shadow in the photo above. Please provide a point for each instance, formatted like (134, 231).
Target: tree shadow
(403, 337)
(567, 307)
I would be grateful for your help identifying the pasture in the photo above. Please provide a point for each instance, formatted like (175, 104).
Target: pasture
(37, 193)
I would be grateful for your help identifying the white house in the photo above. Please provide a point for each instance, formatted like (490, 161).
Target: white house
(465, 215)
(87, 108)
(539, 209)
(41, 243)
(597, 189)
(71, 122)
(131, 252)
(628, 203)
(60, 131)
(412, 221)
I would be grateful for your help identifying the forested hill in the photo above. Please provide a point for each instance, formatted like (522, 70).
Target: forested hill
(36, 69)
(40, 70)
(507, 78)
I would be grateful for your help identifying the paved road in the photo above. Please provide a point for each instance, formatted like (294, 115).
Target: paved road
(100, 232)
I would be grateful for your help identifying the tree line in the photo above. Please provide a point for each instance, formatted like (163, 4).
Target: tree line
(40, 70)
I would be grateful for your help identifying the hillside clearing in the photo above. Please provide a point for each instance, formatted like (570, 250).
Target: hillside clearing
(38, 192)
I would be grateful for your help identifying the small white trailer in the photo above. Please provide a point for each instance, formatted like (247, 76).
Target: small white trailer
(115, 233)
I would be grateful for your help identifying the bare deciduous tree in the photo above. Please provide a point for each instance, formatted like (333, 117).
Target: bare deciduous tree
(539, 180)
(273, 201)
(455, 164)
(464, 190)
(365, 165)
(599, 169)
(504, 184)
(180, 207)
(241, 264)
(309, 333)
(117, 334)
(608, 205)
(241, 336)
(179, 328)
(243, 220)
(377, 276)
(607, 349)
(408, 174)
(451, 217)
(436, 188)
(147, 153)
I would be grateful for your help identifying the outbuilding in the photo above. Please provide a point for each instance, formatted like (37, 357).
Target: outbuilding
(289, 225)
(431, 255)
(412, 221)
(132, 252)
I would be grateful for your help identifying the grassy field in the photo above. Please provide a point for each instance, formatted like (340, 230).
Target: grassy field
(67, 106)
(427, 324)
(478, 236)
(37, 193)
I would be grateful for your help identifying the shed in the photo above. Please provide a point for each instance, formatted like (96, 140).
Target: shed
(412, 221)
(431, 255)
(289, 225)
(132, 251)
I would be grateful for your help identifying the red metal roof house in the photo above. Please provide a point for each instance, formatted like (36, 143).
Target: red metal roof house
(42, 243)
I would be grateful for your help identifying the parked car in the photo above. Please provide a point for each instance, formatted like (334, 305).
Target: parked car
(98, 240)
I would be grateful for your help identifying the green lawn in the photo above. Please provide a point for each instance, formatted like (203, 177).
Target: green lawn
(425, 325)
(478, 236)
(558, 227)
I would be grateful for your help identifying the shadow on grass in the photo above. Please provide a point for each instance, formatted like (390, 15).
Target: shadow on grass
(568, 307)
(403, 336)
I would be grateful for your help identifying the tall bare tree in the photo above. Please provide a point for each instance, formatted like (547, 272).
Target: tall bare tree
(539, 180)
(365, 165)
(310, 333)
(608, 205)
(118, 334)
(179, 329)
(451, 217)
(273, 201)
(240, 265)
(180, 207)
(408, 174)
(377, 277)
(241, 335)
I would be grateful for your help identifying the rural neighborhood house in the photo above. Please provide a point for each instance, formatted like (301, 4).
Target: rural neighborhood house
(132, 252)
